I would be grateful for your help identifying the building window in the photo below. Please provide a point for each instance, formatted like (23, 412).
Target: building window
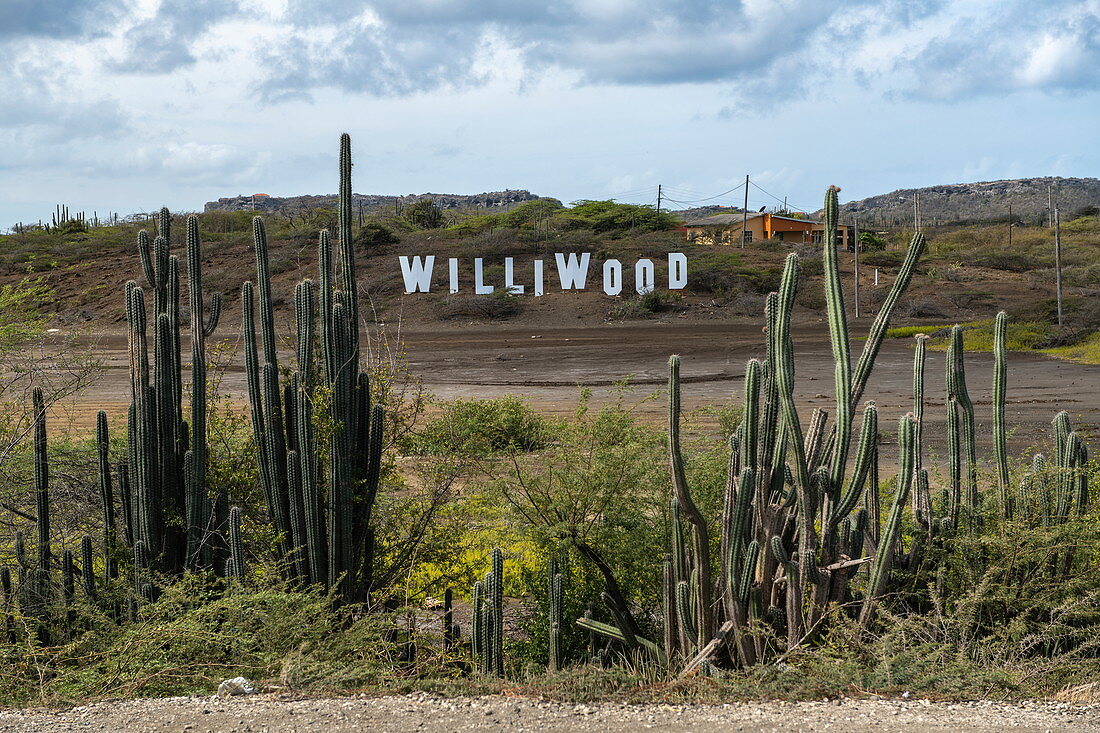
(748, 236)
(815, 237)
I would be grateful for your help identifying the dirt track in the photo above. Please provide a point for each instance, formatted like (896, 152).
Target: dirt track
(547, 365)
(431, 713)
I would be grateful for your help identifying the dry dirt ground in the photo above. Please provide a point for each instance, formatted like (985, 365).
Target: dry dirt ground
(432, 713)
(547, 366)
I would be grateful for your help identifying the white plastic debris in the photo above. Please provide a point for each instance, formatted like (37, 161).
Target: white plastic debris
(236, 686)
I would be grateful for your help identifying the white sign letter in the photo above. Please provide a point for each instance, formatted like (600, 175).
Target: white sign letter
(612, 277)
(539, 286)
(573, 273)
(677, 271)
(510, 286)
(480, 288)
(417, 273)
(453, 262)
(643, 276)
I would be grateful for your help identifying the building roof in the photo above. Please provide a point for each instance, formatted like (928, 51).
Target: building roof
(720, 220)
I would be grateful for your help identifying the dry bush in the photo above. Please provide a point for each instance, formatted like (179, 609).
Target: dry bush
(495, 306)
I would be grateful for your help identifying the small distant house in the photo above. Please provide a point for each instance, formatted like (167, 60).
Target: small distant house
(727, 228)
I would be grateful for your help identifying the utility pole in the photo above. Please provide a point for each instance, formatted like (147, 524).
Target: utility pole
(745, 212)
(1050, 207)
(1058, 263)
(1010, 226)
(658, 199)
(855, 290)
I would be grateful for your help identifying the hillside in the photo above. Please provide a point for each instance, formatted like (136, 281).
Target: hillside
(967, 273)
(370, 203)
(979, 202)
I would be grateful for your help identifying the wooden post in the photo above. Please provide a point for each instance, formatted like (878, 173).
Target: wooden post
(855, 250)
(1058, 262)
(745, 213)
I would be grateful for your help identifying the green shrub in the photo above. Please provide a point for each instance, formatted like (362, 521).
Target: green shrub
(373, 234)
(612, 217)
(641, 306)
(482, 427)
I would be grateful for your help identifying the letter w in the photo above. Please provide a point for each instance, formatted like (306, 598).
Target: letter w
(573, 273)
(417, 273)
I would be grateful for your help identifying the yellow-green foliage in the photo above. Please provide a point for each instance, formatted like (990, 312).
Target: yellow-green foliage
(1021, 336)
(1086, 351)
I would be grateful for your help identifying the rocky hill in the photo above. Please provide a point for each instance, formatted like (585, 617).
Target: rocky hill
(370, 203)
(978, 202)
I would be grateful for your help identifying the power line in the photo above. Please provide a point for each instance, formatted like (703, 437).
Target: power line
(782, 201)
(711, 198)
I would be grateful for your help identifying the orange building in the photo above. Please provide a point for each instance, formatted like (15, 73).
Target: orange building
(727, 228)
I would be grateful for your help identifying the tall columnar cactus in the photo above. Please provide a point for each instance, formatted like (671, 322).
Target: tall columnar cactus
(891, 534)
(958, 394)
(201, 522)
(42, 496)
(488, 627)
(703, 613)
(87, 567)
(555, 604)
(1000, 440)
(922, 502)
(322, 513)
(477, 630)
(838, 337)
(106, 496)
(235, 566)
(451, 630)
(169, 509)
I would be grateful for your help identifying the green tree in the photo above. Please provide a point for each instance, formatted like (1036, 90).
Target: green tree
(424, 214)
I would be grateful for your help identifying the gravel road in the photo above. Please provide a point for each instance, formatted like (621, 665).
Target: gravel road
(435, 713)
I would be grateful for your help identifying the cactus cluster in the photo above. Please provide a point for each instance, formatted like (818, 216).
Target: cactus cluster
(798, 513)
(322, 512)
(487, 620)
(170, 511)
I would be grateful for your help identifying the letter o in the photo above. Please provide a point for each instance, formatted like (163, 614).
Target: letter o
(612, 277)
(643, 276)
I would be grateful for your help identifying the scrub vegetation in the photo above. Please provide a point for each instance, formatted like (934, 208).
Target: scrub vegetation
(342, 536)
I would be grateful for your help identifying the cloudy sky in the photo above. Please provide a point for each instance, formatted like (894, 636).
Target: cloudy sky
(125, 105)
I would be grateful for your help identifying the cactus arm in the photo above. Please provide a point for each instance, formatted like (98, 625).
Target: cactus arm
(881, 323)
(884, 554)
(838, 336)
(700, 531)
(1000, 439)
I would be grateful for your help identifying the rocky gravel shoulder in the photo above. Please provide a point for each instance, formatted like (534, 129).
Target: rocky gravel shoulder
(431, 712)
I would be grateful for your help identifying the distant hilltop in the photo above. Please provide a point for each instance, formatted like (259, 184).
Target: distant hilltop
(369, 203)
(979, 202)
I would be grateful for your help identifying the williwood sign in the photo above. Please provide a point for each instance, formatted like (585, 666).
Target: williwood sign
(572, 272)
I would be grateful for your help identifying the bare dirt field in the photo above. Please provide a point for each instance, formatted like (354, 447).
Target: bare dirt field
(548, 365)
(434, 713)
